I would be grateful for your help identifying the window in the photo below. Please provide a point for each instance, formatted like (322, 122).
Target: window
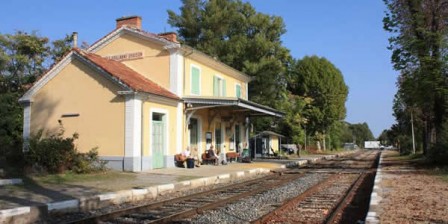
(195, 80)
(238, 90)
(219, 86)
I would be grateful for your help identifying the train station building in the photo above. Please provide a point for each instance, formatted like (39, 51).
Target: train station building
(141, 98)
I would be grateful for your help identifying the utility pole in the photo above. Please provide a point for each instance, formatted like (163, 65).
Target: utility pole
(412, 126)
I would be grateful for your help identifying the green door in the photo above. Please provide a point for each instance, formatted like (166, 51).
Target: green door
(194, 135)
(158, 141)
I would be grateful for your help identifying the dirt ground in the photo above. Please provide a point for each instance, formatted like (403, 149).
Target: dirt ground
(412, 193)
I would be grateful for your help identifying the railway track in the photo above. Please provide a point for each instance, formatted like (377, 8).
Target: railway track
(325, 202)
(174, 209)
(332, 185)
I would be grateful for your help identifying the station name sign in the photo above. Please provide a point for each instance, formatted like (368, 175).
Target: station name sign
(126, 56)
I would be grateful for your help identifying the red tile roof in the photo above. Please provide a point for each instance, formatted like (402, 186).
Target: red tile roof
(131, 78)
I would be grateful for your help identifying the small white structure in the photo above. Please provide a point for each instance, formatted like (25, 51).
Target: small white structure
(372, 144)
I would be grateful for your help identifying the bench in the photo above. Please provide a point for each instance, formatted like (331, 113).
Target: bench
(232, 156)
(206, 160)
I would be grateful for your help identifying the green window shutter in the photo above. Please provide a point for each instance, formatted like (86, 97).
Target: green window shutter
(215, 86)
(238, 91)
(195, 81)
(224, 89)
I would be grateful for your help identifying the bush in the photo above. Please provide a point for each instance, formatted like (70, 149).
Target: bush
(88, 162)
(55, 154)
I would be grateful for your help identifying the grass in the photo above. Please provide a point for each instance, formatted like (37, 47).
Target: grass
(70, 177)
(441, 172)
(328, 152)
(417, 156)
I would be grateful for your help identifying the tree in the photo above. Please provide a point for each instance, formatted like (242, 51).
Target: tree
(361, 133)
(23, 57)
(418, 44)
(61, 47)
(320, 80)
(234, 33)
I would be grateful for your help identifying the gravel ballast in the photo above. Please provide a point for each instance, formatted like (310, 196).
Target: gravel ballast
(251, 208)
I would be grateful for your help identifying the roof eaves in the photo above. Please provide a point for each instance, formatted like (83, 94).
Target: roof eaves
(133, 31)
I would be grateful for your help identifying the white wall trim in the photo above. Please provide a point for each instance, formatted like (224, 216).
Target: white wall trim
(191, 79)
(26, 120)
(179, 127)
(174, 70)
(220, 94)
(104, 41)
(247, 92)
(167, 127)
(26, 124)
(133, 126)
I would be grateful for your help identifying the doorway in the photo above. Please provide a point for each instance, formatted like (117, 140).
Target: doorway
(158, 139)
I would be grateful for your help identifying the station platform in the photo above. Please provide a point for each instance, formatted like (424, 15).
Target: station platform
(29, 201)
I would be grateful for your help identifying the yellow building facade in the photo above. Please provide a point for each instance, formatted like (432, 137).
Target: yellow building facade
(141, 98)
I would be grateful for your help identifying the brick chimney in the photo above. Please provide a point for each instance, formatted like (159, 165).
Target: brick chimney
(130, 21)
(171, 36)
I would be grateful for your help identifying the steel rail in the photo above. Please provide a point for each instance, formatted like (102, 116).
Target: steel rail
(277, 180)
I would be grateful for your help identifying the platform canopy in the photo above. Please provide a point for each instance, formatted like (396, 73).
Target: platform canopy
(231, 103)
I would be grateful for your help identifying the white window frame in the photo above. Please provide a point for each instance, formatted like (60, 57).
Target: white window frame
(220, 93)
(191, 79)
(241, 90)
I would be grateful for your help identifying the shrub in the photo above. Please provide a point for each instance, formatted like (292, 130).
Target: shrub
(55, 154)
(88, 162)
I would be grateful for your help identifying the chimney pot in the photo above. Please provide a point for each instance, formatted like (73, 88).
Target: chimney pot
(130, 21)
(75, 39)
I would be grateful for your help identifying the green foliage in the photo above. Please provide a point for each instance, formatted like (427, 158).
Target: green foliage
(249, 41)
(10, 131)
(361, 133)
(318, 79)
(61, 47)
(23, 57)
(56, 153)
(88, 162)
(53, 154)
(419, 52)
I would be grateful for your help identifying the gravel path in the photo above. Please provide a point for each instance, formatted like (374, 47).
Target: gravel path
(254, 207)
(411, 195)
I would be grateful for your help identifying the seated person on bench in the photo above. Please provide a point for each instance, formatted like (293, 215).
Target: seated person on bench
(211, 155)
(194, 155)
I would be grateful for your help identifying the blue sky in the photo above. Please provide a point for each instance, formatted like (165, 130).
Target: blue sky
(347, 32)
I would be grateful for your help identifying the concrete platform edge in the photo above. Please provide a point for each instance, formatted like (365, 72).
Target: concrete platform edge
(375, 198)
(36, 213)
(40, 212)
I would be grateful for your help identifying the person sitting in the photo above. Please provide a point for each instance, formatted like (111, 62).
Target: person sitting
(194, 155)
(222, 156)
(211, 155)
(186, 152)
(180, 160)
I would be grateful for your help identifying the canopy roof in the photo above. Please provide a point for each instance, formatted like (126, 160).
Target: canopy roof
(233, 103)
